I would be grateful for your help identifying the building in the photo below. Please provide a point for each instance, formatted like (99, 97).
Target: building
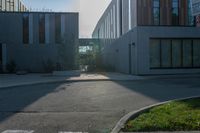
(38, 41)
(149, 37)
(12, 5)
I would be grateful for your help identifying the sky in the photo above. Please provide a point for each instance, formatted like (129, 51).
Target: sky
(90, 11)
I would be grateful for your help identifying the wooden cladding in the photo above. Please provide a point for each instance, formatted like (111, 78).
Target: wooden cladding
(145, 12)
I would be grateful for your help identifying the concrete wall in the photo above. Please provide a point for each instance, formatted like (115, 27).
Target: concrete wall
(116, 55)
(32, 56)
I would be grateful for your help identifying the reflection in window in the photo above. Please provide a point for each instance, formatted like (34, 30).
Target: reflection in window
(1, 5)
(58, 28)
(176, 53)
(190, 17)
(166, 53)
(187, 53)
(25, 28)
(196, 53)
(42, 28)
(156, 12)
(175, 12)
(154, 53)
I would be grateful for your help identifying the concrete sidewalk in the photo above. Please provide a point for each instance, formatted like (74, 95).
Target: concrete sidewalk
(10, 80)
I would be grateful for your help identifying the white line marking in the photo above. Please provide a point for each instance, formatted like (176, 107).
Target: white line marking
(71, 132)
(18, 131)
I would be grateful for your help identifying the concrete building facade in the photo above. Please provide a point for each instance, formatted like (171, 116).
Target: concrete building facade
(36, 40)
(12, 5)
(149, 37)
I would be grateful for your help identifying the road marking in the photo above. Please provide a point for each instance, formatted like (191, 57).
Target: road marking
(31, 131)
(71, 132)
(18, 131)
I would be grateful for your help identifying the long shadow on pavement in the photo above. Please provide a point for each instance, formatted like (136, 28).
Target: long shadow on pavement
(14, 100)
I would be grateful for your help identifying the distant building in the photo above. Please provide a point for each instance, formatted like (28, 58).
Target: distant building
(12, 5)
(36, 41)
(149, 37)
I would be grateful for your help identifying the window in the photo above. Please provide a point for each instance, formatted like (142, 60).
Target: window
(25, 28)
(174, 53)
(175, 12)
(12, 4)
(156, 12)
(187, 53)
(166, 53)
(7, 5)
(190, 17)
(58, 28)
(42, 28)
(155, 53)
(196, 53)
(1, 5)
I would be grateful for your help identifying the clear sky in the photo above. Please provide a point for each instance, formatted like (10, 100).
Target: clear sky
(90, 11)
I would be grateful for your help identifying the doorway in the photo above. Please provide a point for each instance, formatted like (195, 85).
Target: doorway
(130, 58)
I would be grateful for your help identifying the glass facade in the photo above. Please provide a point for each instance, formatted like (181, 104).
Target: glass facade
(26, 28)
(175, 12)
(156, 12)
(155, 58)
(196, 53)
(42, 28)
(190, 18)
(174, 53)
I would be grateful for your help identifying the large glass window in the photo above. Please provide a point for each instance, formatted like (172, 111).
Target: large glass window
(25, 28)
(176, 53)
(190, 17)
(166, 53)
(175, 12)
(196, 53)
(156, 12)
(187, 53)
(155, 53)
(42, 28)
(58, 28)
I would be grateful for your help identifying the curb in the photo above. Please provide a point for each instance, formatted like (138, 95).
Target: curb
(121, 123)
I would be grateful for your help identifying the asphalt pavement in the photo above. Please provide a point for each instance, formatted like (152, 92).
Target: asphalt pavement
(93, 107)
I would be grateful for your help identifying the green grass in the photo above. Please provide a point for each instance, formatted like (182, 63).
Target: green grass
(174, 116)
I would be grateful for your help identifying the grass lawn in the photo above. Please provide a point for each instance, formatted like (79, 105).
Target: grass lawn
(174, 116)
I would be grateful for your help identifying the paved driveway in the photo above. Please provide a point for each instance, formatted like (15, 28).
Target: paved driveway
(84, 106)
